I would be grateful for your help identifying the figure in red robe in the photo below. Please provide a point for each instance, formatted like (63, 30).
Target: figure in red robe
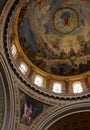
(65, 20)
(27, 115)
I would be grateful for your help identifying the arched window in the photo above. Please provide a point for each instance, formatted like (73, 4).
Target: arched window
(23, 67)
(13, 50)
(77, 87)
(57, 87)
(38, 80)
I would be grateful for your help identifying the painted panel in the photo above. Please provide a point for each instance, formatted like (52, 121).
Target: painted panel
(29, 109)
(55, 35)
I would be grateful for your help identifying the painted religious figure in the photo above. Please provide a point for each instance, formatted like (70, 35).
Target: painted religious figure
(55, 35)
(28, 115)
(29, 109)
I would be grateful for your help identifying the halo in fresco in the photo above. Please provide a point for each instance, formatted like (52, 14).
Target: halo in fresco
(55, 35)
(65, 20)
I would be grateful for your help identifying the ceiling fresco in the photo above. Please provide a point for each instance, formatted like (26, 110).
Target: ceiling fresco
(55, 35)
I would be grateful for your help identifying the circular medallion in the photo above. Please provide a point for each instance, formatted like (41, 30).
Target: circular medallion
(65, 20)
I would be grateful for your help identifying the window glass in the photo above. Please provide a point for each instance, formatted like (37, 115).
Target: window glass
(77, 87)
(57, 87)
(38, 81)
(13, 50)
(23, 67)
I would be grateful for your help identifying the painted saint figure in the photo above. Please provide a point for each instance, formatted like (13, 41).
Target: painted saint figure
(65, 20)
(63, 55)
(72, 53)
(65, 17)
(27, 116)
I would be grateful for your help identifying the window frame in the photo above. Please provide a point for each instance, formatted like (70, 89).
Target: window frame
(58, 90)
(77, 90)
(25, 69)
(41, 80)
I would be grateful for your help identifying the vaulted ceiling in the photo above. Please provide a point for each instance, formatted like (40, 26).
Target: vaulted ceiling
(78, 121)
(47, 45)
(55, 35)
